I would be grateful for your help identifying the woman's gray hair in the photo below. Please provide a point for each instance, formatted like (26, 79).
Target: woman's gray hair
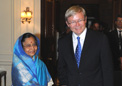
(73, 10)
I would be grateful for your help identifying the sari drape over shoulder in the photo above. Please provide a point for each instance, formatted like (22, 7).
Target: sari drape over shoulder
(27, 71)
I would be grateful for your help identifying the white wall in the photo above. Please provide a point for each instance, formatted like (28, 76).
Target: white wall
(11, 28)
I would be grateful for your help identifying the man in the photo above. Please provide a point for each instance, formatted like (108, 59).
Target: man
(115, 38)
(93, 66)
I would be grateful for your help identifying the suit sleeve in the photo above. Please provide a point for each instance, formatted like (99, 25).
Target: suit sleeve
(62, 68)
(107, 63)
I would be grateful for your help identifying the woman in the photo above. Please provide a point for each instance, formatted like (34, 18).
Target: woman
(27, 68)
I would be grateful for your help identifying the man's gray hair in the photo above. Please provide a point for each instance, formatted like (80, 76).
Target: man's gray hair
(73, 10)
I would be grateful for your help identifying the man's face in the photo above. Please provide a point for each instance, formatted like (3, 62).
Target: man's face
(118, 23)
(77, 23)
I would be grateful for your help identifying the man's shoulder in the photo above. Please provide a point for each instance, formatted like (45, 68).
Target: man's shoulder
(94, 33)
(113, 31)
(66, 36)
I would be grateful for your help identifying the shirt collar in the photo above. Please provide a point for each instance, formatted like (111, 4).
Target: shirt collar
(118, 29)
(82, 35)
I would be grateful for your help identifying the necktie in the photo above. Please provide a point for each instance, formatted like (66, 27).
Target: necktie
(78, 52)
(120, 40)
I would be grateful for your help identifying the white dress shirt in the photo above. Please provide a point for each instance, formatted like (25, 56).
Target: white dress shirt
(118, 32)
(82, 38)
(120, 46)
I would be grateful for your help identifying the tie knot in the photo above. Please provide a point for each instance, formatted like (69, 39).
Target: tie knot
(78, 37)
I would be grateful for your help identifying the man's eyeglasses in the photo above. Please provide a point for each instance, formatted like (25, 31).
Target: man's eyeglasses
(119, 21)
(75, 22)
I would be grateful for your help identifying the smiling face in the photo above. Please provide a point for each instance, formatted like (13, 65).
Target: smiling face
(30, 46)
(77, 23)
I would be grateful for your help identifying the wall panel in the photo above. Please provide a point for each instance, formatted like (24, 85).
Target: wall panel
(6, 37)
(11, 28)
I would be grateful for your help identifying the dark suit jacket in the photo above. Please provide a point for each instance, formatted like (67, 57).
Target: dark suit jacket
(95, 65)
(114, 43)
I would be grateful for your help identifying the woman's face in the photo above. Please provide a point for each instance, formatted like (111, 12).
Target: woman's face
(30, 46)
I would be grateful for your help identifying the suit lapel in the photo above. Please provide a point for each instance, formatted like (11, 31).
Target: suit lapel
(85, 47)
(115, 36)
(71, 50)
(87, 42)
